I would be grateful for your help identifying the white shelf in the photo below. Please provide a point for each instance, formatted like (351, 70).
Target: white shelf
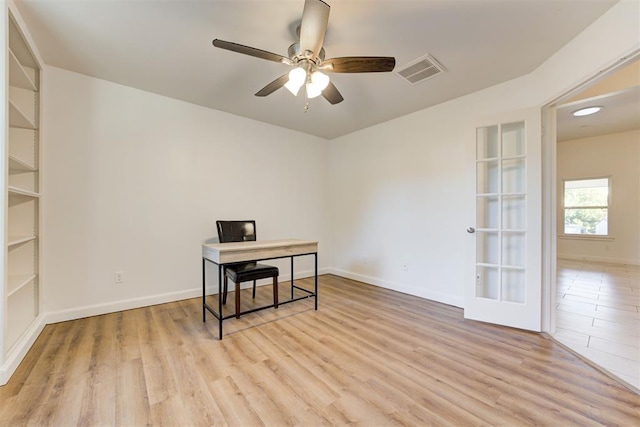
(21, 285)
(18, 119)
(21, 192)
(18, 165)
(17, 240)
(18, 282)
(18, 77)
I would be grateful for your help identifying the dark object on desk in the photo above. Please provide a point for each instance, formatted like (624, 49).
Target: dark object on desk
(242, 231)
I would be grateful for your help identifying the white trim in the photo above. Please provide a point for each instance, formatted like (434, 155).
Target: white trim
(588, 258)
(594, 237)
(115, 306)
(456, 301)
(132, 303)
(20, 349)
(549, 218)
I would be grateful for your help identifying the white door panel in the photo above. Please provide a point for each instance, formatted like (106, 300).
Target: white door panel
(506, 286)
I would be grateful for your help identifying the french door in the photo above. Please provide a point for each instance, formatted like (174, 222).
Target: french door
(506, 288)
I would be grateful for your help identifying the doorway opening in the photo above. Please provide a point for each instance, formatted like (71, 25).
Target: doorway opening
(593, 264)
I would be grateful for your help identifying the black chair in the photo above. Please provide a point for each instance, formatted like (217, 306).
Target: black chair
(242, 231)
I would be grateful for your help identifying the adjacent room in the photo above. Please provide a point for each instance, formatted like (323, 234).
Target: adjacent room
(308, 212)
(597, 289)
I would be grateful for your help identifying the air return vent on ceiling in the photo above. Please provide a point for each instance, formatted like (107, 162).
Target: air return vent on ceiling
(421, 69)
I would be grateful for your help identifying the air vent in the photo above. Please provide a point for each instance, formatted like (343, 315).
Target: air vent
(421, 69)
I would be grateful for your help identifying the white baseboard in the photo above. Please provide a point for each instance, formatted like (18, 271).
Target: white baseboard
(574, 257)
(400, 287)
(20, 349)
(115, 306)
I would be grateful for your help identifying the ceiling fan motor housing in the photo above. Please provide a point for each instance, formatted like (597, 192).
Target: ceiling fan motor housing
(297, 55)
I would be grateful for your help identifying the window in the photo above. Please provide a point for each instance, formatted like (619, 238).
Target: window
(586, 206)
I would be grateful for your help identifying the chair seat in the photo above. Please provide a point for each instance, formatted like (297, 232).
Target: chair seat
(247, 271)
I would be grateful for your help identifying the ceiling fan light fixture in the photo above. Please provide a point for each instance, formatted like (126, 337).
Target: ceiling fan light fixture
(297, 77)
(320, 79)
(313, 91)
(587, 111)
(317, 83)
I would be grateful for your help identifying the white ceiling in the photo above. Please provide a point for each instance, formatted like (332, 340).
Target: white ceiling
(165, 47)
(620, 113)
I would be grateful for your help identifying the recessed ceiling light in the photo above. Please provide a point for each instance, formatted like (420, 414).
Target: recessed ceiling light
(587, 111)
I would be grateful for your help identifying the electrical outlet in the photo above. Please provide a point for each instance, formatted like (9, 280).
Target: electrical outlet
(365, 260)
(118, 277)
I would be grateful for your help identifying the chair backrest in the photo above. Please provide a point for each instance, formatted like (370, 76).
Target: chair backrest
(236, 231)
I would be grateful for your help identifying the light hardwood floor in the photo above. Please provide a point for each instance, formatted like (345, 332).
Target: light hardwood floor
(368, 356)
(598, 314)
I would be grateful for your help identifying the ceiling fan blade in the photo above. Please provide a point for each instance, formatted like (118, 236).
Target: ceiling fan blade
(361, 64)
(273, 86)
(315, 17)
(251, 51)
(331, 94)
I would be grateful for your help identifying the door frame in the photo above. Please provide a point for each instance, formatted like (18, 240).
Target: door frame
(549, 186)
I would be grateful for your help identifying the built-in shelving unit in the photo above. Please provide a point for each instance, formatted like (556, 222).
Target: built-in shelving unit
(22, 209)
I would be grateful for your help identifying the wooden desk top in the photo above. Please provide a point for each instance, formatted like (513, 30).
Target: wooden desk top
(223, 253)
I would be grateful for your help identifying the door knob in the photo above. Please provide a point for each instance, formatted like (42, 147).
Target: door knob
(471, 230)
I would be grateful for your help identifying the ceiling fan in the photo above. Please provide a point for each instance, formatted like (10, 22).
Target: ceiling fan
(307, 56)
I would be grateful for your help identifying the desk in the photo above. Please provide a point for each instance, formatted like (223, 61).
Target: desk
(261, 250)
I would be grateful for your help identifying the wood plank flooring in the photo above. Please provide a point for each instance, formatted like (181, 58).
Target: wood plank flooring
(598, 314)
(368, 356)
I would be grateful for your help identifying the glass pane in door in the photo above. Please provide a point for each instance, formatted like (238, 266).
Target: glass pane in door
(512, 139)
(487, 142)
(487, 247)
(488, 176)
(513, 285)
(513, 212)
(513, 176)
(513, 249)
(488, 212)
(487, 282)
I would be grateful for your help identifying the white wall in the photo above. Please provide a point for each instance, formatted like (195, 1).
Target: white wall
(403, 191)
(618, 156)
(403, 194)
(134, 182)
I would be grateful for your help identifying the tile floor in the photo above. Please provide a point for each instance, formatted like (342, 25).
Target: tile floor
(598, 314)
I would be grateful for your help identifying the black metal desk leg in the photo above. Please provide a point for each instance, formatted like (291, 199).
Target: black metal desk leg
(204, 302)
(291, 277)
(316, 277)
(220, 302)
